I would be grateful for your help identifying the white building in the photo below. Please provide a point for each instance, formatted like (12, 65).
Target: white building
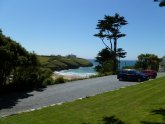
(162, 65)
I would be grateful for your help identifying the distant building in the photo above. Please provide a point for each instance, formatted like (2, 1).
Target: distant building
(162, 65)
(71, 56)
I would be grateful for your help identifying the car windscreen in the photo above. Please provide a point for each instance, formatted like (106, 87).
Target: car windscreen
(131, 72)
(123, 72)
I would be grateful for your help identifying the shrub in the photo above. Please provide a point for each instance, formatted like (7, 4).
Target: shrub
(48, 81)
(105, 68)
(60, 80)
(28, 78)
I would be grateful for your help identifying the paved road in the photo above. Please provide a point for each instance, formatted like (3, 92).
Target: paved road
(14, 103)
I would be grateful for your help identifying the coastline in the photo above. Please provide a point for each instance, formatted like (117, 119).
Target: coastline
(66, 77)
(83, 72)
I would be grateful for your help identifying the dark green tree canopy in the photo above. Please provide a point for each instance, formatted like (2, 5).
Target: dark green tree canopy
(109, 29)
(105, 58)
(20, 69)
(148, 61)
(162, 2)
(10, 54)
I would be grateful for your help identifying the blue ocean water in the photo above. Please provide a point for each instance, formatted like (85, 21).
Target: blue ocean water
(88, 71)
(124, 63)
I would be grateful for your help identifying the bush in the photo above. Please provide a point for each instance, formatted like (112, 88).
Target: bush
(48, 81)
(60, 80)
(106, 67)
(20, 69)
(29, 78)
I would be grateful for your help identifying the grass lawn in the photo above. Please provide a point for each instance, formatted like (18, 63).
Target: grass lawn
(139, 104)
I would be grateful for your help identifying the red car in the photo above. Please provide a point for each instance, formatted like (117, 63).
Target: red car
(150, 73)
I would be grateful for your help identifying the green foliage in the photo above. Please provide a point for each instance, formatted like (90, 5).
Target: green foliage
(162, 4)
(55, 65)
(105, 58)
(19, 69)
(61, 63)
(60, 80)
(105, 55)
(25, 78)
(82, 62)
(30, 77)
(148, 61)
(106, 67)
(11, 56)
(109, 27)
(43, 59)
(48, 81)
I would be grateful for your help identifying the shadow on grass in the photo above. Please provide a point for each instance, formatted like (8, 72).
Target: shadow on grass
(109, 120)
(11, 99)
(156, 112)
(112, 120)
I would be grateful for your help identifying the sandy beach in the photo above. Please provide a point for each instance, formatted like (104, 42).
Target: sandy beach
(67, 77)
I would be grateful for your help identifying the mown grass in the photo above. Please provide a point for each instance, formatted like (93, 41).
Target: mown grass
(139, 104)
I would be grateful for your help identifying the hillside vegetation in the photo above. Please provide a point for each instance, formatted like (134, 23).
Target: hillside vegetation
(57, 63)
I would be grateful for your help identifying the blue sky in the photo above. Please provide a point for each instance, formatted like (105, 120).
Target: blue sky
(67, 26)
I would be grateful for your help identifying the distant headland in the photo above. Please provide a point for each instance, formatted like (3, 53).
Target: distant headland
(58, 62)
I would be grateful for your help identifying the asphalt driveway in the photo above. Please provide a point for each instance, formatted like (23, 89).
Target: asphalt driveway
(56, 94)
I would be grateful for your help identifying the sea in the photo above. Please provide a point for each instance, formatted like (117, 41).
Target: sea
(89, 71)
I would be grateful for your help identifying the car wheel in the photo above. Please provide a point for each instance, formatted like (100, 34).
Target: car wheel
(120, 79)
(139, 80)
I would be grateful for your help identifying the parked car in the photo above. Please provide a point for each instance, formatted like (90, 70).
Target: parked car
(131, 75)
(150, 73)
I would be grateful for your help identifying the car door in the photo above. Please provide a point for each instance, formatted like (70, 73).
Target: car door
(131, 75)
(124, 74)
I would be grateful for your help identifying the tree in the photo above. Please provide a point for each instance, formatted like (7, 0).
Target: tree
(120, 54)
(105, 60)
(10, 52)
(162, 2)
(148, 61)
(18, 67)
(109, 29)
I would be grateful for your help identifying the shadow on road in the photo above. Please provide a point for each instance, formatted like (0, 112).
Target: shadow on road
(11, 99)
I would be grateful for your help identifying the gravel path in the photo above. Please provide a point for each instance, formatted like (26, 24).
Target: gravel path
(14, 103)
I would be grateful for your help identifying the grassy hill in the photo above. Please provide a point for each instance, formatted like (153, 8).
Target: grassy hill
(61, 63)
(139, 104)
